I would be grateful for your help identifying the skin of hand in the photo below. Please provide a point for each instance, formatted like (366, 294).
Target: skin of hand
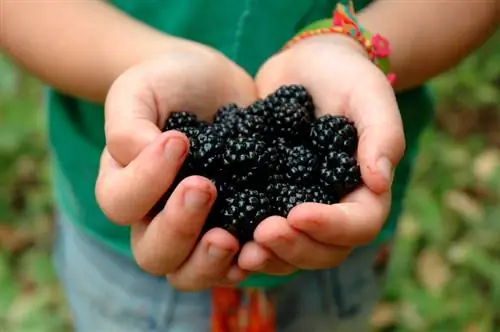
(342, 81)
(140, 162)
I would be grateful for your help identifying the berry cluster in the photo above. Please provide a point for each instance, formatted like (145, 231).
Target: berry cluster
(267, 158)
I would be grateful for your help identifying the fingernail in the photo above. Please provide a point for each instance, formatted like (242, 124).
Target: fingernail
(217, 253)
(385, 167)
(175, 148)
(196, 199)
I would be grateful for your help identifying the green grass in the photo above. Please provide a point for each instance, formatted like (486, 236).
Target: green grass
(445, 268)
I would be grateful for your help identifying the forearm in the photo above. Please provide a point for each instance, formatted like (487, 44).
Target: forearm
(78, 47)
(429, 37)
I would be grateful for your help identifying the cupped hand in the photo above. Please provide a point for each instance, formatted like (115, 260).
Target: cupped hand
(342, 81)
(140, 163)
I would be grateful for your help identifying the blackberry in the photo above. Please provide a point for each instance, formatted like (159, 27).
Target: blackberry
(340, 173)
(280, 142)
(247, 178)
(223, 185)
(224, 112)
(179, 120)
(301, 165)
(277, 165)
(295, 94)
(260, 108)
(244, 153)
(286, 196)
(236, 122)
(252, 126)
(334, 133)
(243, 212)
(207, 150)
(243, 124)
(289, 110)
(192, 134)
(277, 156)
(224, 131)
(319, 195)
(275, 177)
(290, 121)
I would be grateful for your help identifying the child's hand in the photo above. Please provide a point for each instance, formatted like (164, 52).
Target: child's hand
(342, 81)
(140, 162)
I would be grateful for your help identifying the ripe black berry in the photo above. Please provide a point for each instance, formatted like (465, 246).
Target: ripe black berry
(232, 121)
(340, 173)
(334, 133)
(246, 178)
(243, 212)
(261, 109)
(294, 94)
(321, 195)
(223, 131)
(244, 124)
(244, 153)
(277, 159)
(301, 165)
(205, 152)
(290, 121)
(224, 112)
(285, 196)
(179, 120)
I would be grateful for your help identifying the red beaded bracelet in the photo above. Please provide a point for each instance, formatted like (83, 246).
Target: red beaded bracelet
(345, 22)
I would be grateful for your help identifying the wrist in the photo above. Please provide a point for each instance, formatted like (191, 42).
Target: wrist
(345, 24)
(339, 42)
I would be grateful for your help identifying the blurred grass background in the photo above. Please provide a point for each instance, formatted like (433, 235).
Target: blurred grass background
(444, 273)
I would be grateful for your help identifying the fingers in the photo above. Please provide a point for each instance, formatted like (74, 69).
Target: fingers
(127, 194)
(209, 263)
(161, 246)
(256, 258)
(374, 109)
(355, 221)
(295, 248)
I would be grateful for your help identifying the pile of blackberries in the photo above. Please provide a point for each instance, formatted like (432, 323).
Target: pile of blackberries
(267, 158)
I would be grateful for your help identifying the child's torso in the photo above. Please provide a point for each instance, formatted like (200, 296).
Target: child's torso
(248, 32)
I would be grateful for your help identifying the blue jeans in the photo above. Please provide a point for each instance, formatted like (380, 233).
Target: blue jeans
(107, 292)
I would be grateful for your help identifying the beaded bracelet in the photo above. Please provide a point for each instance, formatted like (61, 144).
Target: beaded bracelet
(345, 22)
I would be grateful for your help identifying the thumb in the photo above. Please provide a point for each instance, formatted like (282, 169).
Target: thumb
(374, 109)
(132, 119)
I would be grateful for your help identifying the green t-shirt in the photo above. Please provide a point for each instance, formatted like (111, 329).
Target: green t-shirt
(246, 31)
